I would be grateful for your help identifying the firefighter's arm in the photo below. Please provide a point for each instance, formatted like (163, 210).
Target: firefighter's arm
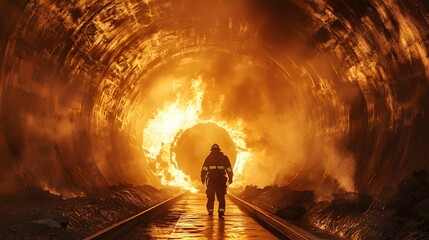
(229, 170)
(204, 171)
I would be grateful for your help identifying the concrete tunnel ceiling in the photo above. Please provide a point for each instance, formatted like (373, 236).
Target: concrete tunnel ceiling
(321, 95)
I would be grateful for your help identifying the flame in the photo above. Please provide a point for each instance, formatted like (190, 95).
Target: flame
(63, 194)
(167, 125)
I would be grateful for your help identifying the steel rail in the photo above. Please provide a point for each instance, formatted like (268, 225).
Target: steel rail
(121, 228)
(277, 225)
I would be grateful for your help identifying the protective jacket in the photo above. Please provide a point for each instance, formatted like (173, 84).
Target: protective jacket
(216, 165)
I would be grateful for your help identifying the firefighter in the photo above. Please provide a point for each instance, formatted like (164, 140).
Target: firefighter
(213, 174)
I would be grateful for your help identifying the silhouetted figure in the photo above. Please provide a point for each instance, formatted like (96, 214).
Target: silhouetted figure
(213, 174)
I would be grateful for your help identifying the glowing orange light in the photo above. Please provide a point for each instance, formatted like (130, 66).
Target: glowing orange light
(172, 120)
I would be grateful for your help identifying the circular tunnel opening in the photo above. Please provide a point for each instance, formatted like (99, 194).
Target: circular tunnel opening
(194, 144)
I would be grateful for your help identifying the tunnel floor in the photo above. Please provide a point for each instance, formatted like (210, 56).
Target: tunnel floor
(188, 219)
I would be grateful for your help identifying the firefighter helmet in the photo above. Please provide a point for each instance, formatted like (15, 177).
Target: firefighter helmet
(215, 147)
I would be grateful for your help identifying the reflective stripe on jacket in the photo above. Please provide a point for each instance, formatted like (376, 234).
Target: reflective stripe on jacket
(216, 164)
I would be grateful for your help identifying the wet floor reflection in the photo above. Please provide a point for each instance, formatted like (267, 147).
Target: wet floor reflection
(188, 219)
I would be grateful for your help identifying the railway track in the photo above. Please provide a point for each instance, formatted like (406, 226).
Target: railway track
(185, 217)
(120, 229)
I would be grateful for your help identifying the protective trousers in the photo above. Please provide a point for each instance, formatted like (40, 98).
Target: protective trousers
(216, 185)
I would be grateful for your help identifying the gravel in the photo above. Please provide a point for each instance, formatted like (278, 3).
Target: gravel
(95, 210)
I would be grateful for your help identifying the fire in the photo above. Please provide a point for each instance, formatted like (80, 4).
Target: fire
(172, 120)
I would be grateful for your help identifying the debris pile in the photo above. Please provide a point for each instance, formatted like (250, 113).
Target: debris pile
(34, 213)
(393, 213)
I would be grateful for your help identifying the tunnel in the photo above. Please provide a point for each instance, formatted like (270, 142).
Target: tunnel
(322, 95)
(96, 93)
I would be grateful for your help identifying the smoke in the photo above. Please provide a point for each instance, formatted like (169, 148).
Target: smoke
(194, 145)
(278, 119)
(329, 94)
(283, 137)
(54, 136)
(284, 145)
(283, 25)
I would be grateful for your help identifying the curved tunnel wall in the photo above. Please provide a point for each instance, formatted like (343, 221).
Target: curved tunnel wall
(322, 95)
